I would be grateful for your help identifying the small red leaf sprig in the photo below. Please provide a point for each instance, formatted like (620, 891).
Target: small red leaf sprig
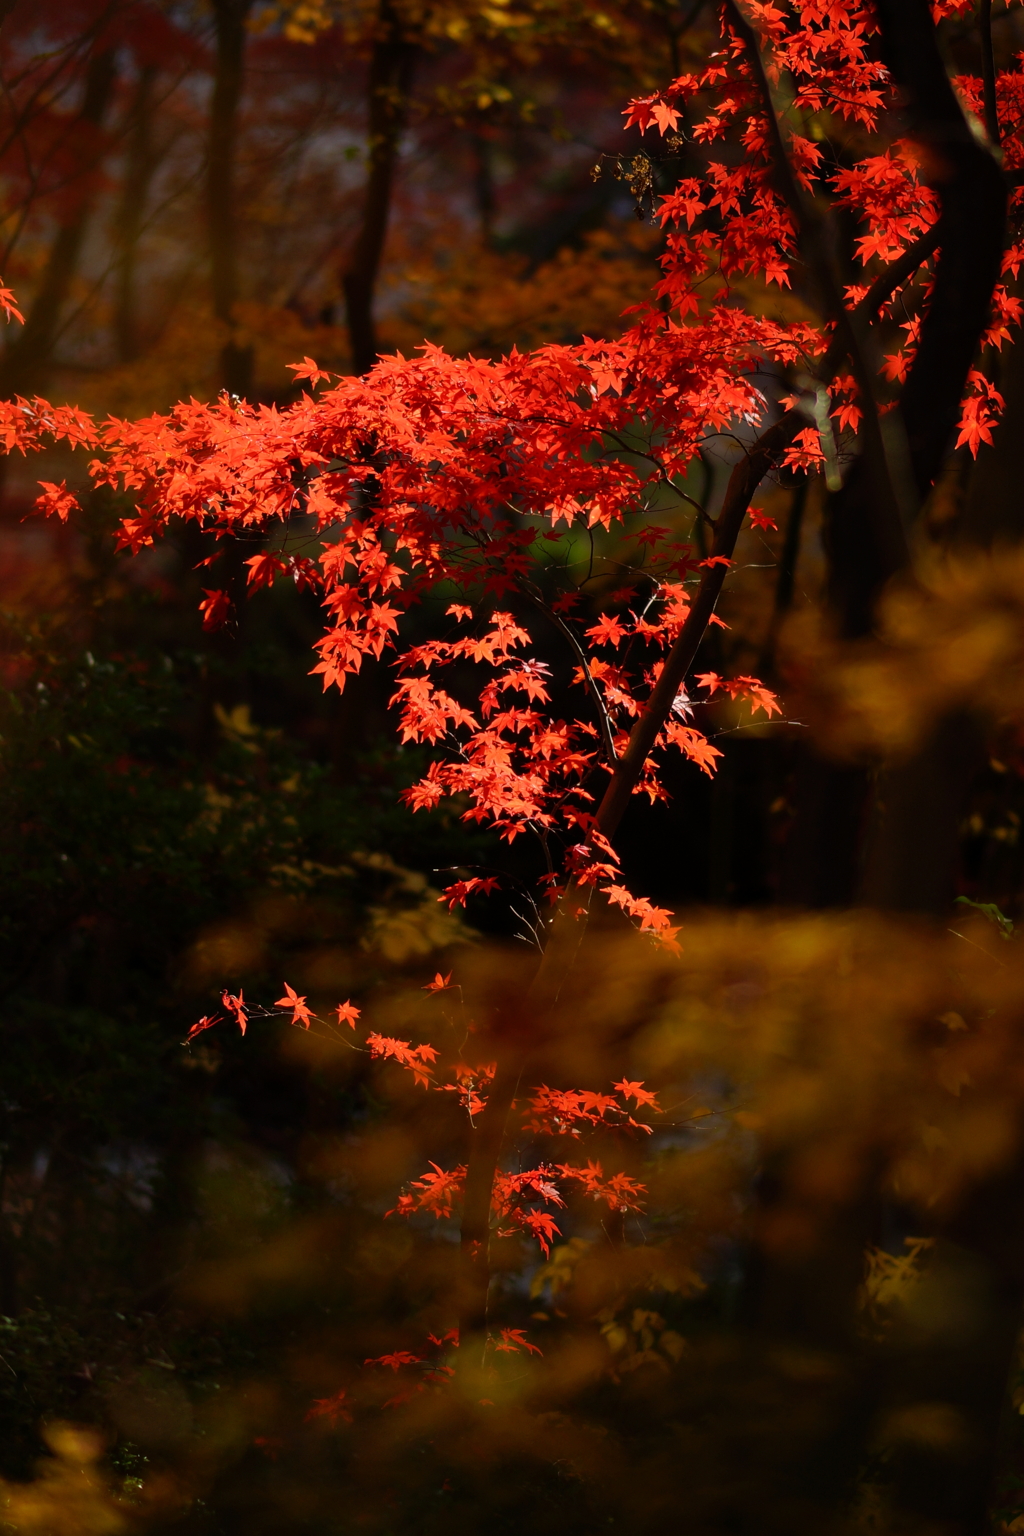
(521, 1201)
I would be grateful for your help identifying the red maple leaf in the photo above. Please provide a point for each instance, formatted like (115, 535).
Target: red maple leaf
(637, 1092)
(513, 1340)
(206, 1022)
(347, 1014)
(215, 608)
(439, 984)
(236, 1005)
(56, 500)
(307, 369)
(263, 569)
(396, 1359)
(300, 1013)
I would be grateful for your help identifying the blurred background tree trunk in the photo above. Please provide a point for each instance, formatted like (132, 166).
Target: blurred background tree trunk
(230, 32)
(28, 357)
(390, 78)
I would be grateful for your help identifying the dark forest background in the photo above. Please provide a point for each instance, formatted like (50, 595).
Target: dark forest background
(193, 196)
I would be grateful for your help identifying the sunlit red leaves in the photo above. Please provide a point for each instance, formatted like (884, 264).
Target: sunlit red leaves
(9, 305)
(301, 1014)
(459, 891)
(518, 1199)
(654, 920)
(455, 439)
(468, 1083)
(748, 689)
(236, 1006)
(572, 1112)
(56, 500)
(206, 1022)
(618, 1191)
(607, 630)
(887, 193)
(436, 1192)
(264, 569)
(451, 445)
(309, 371)
(417, 1059)
(979, 412)
(641, 1096)
(439, 984)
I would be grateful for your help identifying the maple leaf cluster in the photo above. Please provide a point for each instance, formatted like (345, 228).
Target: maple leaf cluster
(518, 1199)
(374, 491)
(484, 479)
(734, 220)
(516, 1196)
(544, 1113)
(441, 469)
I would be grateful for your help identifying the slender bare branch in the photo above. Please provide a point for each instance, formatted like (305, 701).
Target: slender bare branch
(604, 721)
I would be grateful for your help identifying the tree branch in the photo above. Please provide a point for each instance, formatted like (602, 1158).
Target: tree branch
(603, 720)
(885, 508)
(565, 933)
(988, 70)
(971, 231)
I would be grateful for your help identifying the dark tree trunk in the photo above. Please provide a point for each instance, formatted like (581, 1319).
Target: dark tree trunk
(890, 839)
(28, 357)
(972, 224)
(140, 163)
(391, 68)
(230, 18)
(827, 854)
(973, 201)
(483, 186)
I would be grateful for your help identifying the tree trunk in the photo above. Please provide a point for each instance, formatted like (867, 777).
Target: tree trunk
(539, 1006)
(564, 934)
(826, 854)
(28, 357)
(140, 163)
(391, 68)
(890, 839)
(230, 18)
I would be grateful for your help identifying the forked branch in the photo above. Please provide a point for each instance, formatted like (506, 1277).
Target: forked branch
(566, 931)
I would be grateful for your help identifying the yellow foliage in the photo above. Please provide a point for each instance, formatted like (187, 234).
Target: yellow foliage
(556, 1275)
(70, 1496)
(891, 1277)
(184, 362)
(407, 922)
(473, 300)
(625, 36)
(951, 637)
(466, 299)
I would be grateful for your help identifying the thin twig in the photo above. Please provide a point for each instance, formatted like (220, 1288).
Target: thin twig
(604, 720)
